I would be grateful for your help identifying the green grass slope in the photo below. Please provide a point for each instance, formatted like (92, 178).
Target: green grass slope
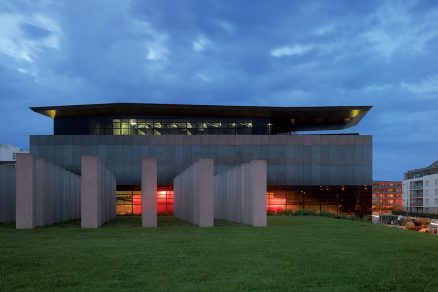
(293, 253)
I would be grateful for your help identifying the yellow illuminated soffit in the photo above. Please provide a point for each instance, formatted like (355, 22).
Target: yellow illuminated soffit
(51, 113)
(355, 113)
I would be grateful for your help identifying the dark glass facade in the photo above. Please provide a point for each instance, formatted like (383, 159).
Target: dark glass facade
(350, 200)
(128, 200)
(320, 199)
(141, 125)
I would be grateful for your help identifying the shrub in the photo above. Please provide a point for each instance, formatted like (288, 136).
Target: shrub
(365, 218)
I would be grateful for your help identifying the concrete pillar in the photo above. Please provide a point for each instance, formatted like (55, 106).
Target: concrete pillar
(149, 192)
(77, 188)
(258, 181)
(89, 192)
(97, 193)
(25, 191)
(7, 193)
(48, 195)
(241, 194)
(113, 191)
(246, 195)
(194, 194)
(205, 185)
(39, 191)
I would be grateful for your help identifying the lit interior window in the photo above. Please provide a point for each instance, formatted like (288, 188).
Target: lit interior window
(128, 202)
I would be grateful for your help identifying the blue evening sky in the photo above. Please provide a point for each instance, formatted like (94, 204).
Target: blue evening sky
(282, 53)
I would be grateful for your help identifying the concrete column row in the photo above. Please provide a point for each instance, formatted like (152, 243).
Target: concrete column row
(240, 194)
(7, 193)
(149, 192)
(98, 193)
(194, 194)
(45, 193)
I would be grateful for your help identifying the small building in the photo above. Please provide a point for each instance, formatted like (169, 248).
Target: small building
(420, 190)
(8, 153)
(387, 197)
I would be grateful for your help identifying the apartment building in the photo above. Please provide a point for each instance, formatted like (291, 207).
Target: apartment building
(420, 190)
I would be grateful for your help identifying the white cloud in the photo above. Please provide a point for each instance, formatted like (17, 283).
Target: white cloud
(155, 41)
(225, 25)
(325, 29)
(204, 77)
(155, 52)
(291, 50)
(15, 44)
(428, 88)
(201, 43)
(27, 72)
(398, 30)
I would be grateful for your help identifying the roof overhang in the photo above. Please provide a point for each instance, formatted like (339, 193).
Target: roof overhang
(291, 118)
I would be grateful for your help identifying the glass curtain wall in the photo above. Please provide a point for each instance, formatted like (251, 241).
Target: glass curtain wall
(161, 126)
(319, 199)
(128, 200)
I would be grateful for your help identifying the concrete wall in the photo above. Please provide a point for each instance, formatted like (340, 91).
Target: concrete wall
(292, 159)
(194, 194)
(98, 193)
(45, 193)
(240, 194)
(149, 192)
(7, 193)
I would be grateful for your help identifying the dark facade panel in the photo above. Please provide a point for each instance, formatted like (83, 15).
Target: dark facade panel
(291, 161)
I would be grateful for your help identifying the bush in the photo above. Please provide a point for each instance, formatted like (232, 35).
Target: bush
(365, 218)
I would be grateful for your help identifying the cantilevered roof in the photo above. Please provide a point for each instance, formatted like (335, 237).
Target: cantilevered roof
(290, 118)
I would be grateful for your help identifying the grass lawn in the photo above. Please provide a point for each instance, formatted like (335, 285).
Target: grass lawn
(293, 253)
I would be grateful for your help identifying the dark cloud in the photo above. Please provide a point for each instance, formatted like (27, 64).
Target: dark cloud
(379, 53)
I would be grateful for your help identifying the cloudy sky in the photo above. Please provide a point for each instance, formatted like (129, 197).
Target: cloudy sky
(285, 53)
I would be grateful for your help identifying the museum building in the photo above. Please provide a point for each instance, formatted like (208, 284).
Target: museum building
(306, 171)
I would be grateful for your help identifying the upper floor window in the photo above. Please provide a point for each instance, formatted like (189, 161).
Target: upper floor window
(142, 125)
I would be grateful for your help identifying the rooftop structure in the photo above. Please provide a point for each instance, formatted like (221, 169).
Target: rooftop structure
(415, 173)
(8, 153)
(179, 119)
